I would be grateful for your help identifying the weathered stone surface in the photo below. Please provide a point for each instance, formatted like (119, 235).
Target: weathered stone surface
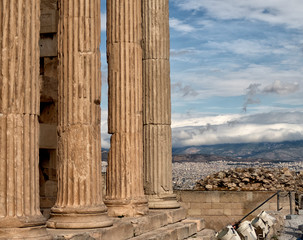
(176, 231)
(19, 58)
(157, 151)
(49, 113)
(119, 231)
(156, 88)
(48, 136)
(79, 200)
(125, 88)
(49, 16)
(125, 194)
(19, 128)
(199, 221)
(48, 180)
(19, 157)
(48, 46)
(154, 225)
(36, 232)
(157, 105)
(155, 29)
(253, 179)
(49, 80)
(154, 220)
(205, 234)
(175, 215)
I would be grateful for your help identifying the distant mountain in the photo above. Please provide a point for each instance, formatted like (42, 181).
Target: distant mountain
(282, 151)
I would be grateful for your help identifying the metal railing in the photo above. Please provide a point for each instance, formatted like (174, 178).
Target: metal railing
(291, 201)
(236, 225)
(279, 195)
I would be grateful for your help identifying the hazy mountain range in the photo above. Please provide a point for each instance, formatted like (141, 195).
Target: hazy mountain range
(282, 151)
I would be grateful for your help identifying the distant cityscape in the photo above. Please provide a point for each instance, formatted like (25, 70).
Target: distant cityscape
(193, 163)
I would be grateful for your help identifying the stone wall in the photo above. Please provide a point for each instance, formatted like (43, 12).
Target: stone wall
(220, 208)
(48, 180)
(48, 104)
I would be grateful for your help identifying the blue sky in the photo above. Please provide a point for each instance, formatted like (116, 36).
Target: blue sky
(236, 71)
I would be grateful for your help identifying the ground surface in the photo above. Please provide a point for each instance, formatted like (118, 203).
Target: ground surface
(291, 228)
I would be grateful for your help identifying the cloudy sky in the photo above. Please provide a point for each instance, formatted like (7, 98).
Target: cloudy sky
(236, 71)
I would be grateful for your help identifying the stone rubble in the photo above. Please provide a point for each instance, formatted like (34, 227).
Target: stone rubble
(252, 179)
(186, 174)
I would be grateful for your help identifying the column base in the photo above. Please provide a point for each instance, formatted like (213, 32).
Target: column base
(127, 208)
(77, 221)
(22, 222)
(31, 233)
(165, 201)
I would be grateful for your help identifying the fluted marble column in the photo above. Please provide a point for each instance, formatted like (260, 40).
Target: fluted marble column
(19, 128)
(125, 194)
(157, 105)
(79, 200)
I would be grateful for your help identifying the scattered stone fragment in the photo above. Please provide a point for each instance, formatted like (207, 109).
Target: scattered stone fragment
(252, 179)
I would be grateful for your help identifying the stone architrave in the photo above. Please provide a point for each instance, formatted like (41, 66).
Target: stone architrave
(79, 200)
(20, 215)
(157, 105)
(125, 194)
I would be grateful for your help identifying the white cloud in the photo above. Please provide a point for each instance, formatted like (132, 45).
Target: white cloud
(105, 137)
(294, 117)
(103, 21)
(268, 127)
(282, 12)
(180, 26)
(282, 87)
(249, 47)
(233, 82)
(179, 120)
(277, 87)
(189, 55)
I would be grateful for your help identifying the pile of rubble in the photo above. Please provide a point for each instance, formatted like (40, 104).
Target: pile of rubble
(252, 179)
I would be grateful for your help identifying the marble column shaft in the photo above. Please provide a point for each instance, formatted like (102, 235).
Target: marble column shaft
(125, 194)
(19, 128)
(79, 201)
(157, 105)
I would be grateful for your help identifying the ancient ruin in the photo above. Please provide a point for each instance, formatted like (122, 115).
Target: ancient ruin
(252, 179)
(19, 126)
(50, 121)
(79, 199)
(51, 183)
(125, 194)
(157, 106)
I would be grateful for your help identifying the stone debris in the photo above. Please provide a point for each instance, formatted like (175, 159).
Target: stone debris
(252, 179)
(186, 174)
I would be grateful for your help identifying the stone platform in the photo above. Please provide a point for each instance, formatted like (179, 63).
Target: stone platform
(157, 225)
